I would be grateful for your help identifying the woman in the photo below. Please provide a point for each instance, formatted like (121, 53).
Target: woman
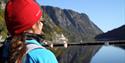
(23, 20)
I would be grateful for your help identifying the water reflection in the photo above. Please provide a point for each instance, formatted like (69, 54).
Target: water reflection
(109, 54)
(90, 54)
(76, 54)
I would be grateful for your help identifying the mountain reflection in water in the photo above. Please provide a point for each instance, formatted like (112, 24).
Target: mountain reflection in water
(92, 54)
(109, 54)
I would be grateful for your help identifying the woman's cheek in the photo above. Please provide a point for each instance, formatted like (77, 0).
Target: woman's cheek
(41, 26)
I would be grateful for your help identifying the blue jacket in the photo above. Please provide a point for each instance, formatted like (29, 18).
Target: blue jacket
(39, 55)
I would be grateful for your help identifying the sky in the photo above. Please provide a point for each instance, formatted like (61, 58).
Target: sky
(106, 14)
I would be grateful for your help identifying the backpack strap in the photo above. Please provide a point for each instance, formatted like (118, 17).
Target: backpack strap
(31, 47)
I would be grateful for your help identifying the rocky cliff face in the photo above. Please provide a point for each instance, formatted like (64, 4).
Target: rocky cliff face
(75, 27)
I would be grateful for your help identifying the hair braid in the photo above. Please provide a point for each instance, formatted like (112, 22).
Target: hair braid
(17, 49)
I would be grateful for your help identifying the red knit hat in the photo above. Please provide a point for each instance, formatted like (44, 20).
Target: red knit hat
(21, 15)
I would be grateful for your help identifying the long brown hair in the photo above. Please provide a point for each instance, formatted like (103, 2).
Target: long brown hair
(17, 49)
(18, 46)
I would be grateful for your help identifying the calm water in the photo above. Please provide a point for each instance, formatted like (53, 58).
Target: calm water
(109, 54)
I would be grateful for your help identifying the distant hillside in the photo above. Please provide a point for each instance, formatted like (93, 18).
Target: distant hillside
(116, 34)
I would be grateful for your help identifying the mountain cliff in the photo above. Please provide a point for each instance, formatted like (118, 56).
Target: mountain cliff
(75, 27)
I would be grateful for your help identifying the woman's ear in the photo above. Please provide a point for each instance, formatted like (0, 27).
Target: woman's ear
(37, 27)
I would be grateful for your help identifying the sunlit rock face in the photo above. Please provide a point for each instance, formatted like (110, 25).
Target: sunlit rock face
(71, 27)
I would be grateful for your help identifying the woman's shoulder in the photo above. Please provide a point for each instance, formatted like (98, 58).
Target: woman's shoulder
(40, 51)
(42, 54)
(39, 54)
